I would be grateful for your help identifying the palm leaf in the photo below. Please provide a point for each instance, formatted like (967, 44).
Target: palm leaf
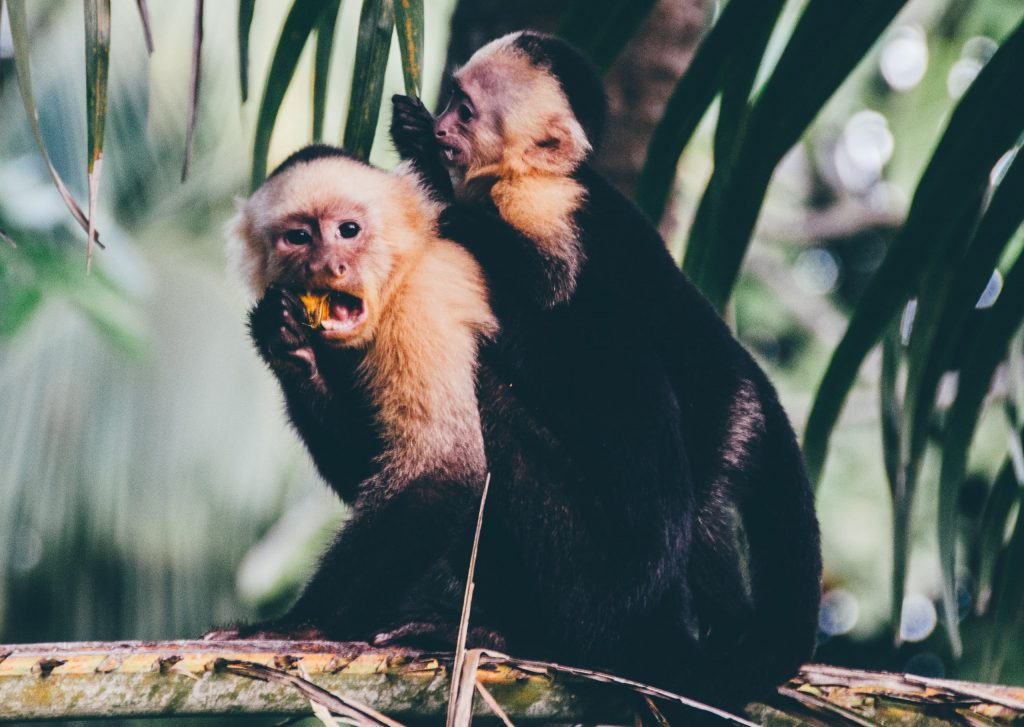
(246, 9)
(741, 25)
(2, 74)
(193, 88)
(890, 407)
(409, 26)
(20, 42)
(993, 337)
(602, 28)
(97, 66)
(322, 63)
(988, 119)
(298, 25)
(1008, 598)
(991, 531)
(376, 26)
(837, 36)
(147, 29)
(951, 286)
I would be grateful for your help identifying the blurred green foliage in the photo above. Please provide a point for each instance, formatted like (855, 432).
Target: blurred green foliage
(149, 487)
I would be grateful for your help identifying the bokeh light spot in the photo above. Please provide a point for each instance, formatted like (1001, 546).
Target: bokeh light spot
(904, 58)
(961, 75)
(990, 295)
(839, 612)
(919, 618)
(817, 271)
(864, 149)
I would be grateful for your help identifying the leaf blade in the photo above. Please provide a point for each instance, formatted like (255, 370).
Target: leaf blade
(297, 26)
(972, 142)
(322, 63)
(993, 338)
(603, 28)
(147, 28)
(246, 9)
(409, 25)
(948, 297)
(693, 94)
(19, 36)
(97, 67)
(838, 36)
(193, 89)
(376, 26)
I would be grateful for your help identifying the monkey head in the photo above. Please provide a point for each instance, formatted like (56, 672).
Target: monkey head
(337, 230)
(525, 103)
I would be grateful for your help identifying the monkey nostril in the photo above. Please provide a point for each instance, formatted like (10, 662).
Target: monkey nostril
(440, 133)
(340, 269)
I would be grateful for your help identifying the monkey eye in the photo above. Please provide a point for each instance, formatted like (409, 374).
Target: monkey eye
(298, 236)
(349, 229)
(465, 113)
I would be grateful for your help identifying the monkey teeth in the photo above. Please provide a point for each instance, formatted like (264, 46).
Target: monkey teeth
(344, 315)
(449, 154)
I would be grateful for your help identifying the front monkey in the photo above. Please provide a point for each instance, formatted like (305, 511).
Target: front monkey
(371, 324)
(570, 260)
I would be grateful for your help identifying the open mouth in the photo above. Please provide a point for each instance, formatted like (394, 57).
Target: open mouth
(450, 155)
(336, 313)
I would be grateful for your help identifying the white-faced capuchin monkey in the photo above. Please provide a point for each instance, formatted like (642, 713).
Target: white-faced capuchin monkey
(693, 496)
(371, 324)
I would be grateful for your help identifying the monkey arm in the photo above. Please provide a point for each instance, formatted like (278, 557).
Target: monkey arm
(391, 540)
(412, 133)
(326, 405)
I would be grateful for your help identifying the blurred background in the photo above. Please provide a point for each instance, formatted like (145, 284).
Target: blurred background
(149, 486)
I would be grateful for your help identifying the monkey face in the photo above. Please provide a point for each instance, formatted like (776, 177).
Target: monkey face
(508, 116)
(338, 232)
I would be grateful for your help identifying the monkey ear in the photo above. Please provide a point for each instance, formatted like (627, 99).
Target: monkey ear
(560, 147)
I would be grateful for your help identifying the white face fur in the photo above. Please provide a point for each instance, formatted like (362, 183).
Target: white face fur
(333, 225)
(507, 113)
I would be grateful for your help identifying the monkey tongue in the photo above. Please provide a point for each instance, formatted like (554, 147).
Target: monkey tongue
(345, 313)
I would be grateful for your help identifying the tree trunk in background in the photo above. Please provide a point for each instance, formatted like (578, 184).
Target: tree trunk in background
(638, 84)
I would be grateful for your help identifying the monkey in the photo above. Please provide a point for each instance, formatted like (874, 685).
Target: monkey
(404, 311)
(561, 249)
(379, 384)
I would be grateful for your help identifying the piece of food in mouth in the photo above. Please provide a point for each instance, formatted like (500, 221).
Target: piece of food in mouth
(317, 307)
(333, 311)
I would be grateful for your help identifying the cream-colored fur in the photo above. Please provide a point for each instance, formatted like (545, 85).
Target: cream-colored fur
(524, 158)
(427, 306)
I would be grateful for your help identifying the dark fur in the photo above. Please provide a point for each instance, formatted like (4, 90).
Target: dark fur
(679, 450)
(389, 543)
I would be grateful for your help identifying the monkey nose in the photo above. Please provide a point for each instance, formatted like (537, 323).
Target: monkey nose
(338, 270)
(440, 133)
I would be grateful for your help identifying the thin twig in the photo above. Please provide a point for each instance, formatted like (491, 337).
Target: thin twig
(348, 708)
(823, 706)
(493, 704)
(460, 699)
(963, 689)
(656, 713)
(7, 238)
(602, 677)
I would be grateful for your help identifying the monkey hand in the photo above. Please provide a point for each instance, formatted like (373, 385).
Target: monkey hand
(412, 132)
(276, 325)
(412, 128)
